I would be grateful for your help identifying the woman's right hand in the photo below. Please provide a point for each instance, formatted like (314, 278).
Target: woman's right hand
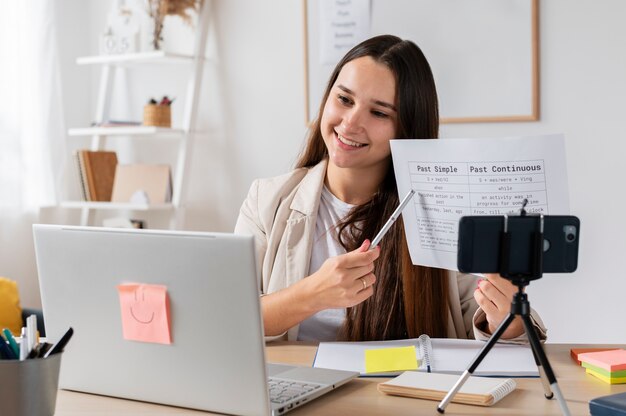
(342, 281)
(345, 280)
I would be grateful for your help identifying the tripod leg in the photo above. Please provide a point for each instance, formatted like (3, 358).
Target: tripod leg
(476, 362)
(545, 364)
(544, 379)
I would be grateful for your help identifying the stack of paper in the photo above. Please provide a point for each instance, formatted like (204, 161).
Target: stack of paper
(451, 356)
(608, 366)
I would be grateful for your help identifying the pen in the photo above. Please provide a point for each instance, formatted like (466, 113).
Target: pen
(391, 219)
(9, 336)
(6, 351)
(58, 347)
(31, 328)
(23, 345)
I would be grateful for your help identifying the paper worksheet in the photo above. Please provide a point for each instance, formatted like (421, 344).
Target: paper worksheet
(450, 356)
(458, 177)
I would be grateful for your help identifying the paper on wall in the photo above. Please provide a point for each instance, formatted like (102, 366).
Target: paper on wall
(343, 24)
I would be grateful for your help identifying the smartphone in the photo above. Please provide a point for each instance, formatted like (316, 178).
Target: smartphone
(480, 240)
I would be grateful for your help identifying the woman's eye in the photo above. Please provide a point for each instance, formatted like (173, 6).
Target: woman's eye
(380, 114)
(344, 100)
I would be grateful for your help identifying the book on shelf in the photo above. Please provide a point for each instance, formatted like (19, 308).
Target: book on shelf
(478, 391)
(96, 173)
(80, 168)
(117, 123)
(142, 184)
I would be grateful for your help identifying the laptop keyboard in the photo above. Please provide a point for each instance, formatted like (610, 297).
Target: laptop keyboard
(282, 391)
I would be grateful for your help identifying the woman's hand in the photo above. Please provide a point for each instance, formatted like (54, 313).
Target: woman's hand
(345, 280)
(341, 282)
(494, 295)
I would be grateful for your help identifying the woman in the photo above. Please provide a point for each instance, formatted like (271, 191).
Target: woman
(312, 226)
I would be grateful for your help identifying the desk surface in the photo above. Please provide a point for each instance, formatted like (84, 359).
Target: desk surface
(361, 397)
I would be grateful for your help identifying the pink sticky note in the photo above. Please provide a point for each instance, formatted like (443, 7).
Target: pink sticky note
(614, 360)
(145, 313)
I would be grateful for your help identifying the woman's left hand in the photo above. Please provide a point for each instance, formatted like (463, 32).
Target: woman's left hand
(494, 295)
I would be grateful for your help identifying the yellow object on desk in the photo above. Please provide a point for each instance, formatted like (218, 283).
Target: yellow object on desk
(10, 310)
(382, 360)
(605, 376)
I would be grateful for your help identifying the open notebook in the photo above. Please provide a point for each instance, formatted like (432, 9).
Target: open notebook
(443, 355)
(431, 386)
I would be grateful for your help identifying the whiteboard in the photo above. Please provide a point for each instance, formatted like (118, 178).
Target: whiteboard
(483, 54)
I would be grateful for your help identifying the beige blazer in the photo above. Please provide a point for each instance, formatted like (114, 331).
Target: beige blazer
(281, 212)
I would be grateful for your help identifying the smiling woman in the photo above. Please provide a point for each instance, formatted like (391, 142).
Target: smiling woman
(319, 279)
(358, 120)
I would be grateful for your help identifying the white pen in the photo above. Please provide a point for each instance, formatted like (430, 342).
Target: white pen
(391, 219)
(23, 344)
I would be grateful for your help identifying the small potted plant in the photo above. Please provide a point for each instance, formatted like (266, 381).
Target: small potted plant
(158, 9)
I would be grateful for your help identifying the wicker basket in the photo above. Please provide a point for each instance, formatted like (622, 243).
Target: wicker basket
(157, 115)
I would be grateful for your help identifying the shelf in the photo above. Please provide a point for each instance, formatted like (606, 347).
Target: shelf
(152, 57)
(117, 206)
(125, 131)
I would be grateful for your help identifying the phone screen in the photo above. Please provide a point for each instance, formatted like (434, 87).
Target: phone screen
(480, 240)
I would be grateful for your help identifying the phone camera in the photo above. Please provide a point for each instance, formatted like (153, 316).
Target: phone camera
(570, 233)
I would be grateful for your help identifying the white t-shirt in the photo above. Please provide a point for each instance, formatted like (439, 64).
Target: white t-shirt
(323, 326)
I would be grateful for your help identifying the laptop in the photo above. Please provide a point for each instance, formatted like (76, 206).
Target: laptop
(216, 358)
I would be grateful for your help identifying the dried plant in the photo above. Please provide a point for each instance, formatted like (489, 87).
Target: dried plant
(158, 9)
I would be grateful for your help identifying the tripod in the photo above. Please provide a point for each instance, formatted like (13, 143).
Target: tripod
(519, 306)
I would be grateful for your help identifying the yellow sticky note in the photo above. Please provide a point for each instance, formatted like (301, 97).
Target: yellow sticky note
(390, 359)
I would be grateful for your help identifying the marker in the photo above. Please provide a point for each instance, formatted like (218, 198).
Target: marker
(6, 351)
(58, 347)
(9, 336)
(391, 219)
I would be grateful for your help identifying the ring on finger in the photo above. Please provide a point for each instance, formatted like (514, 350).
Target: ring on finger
(364, 283)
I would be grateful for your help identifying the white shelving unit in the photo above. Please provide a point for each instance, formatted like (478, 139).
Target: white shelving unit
(184, 134)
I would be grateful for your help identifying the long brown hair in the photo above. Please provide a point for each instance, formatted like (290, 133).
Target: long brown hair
(408, 300)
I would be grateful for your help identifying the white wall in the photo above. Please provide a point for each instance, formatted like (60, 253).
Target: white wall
(252, 113)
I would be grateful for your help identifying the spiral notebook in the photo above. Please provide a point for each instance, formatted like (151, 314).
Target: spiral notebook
(439, 355)
(478, 391)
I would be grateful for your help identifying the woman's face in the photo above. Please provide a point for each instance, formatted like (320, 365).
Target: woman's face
(360, 116)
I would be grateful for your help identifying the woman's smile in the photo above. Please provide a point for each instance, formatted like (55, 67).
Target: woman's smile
(347, 144)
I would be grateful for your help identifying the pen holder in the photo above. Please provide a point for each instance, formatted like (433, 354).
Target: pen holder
(29, 387)
(157, 115)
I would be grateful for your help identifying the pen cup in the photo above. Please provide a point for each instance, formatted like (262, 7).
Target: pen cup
(29, 387)
(157, 115)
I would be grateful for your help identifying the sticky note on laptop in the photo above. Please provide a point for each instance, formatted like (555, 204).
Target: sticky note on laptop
(145, 312)
(384, 360)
